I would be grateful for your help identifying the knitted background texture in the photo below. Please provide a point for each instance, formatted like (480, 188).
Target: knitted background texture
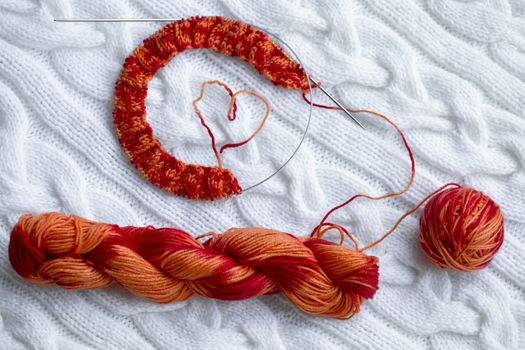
(451, 73)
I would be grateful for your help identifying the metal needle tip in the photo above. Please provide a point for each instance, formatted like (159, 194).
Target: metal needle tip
(173, 19)
(337, 103)
(116, 19)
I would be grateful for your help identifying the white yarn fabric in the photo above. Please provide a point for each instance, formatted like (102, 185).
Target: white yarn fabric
(450, 73)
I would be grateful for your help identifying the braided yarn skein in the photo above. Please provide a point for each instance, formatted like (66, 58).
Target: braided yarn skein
(167, 265)
(225, 36)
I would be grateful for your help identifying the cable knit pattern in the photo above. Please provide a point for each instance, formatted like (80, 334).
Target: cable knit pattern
(450, 72)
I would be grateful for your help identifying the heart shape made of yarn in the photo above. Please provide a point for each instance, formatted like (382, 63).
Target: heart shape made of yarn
(232, 115)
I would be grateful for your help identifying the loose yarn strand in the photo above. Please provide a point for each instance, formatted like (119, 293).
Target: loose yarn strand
(342, 232)
(461, 229)
(374, 198)
(408, 213)
(265, 117)
(232, 115)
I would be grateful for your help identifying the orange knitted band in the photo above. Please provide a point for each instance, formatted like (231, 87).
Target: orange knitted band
(225, 36)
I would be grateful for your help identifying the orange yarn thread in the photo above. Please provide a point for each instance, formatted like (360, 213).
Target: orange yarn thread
(461, 229)
(167, 265)
(232, 115)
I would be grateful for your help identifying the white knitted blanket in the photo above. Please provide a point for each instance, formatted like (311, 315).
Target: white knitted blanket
(451, 73)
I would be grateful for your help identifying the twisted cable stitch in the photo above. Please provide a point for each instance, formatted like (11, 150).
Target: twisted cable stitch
(224, 36)
(167, 265)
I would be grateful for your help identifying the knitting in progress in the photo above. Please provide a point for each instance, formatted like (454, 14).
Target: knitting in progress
(166, 265)
(461, 229)
(450, 74)
(226, 36)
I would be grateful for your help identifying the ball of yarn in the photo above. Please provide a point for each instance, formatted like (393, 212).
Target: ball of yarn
(461, 229)
(167, 265)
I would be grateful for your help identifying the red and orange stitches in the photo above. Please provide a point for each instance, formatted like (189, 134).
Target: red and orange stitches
(225, 36)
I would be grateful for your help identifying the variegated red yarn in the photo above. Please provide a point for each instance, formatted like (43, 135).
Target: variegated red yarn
(224, 36)
(461, 229)
(167, 265)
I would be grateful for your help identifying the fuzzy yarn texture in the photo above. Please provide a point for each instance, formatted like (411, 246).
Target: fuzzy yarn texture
(449, 72)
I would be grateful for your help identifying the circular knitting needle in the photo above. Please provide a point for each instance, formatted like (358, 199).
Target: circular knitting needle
(311, 102)
(116, 19)
(310, 80)
(336, 102)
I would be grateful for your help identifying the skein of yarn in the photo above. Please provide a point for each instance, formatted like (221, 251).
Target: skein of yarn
(167, 264)
(461, 229)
